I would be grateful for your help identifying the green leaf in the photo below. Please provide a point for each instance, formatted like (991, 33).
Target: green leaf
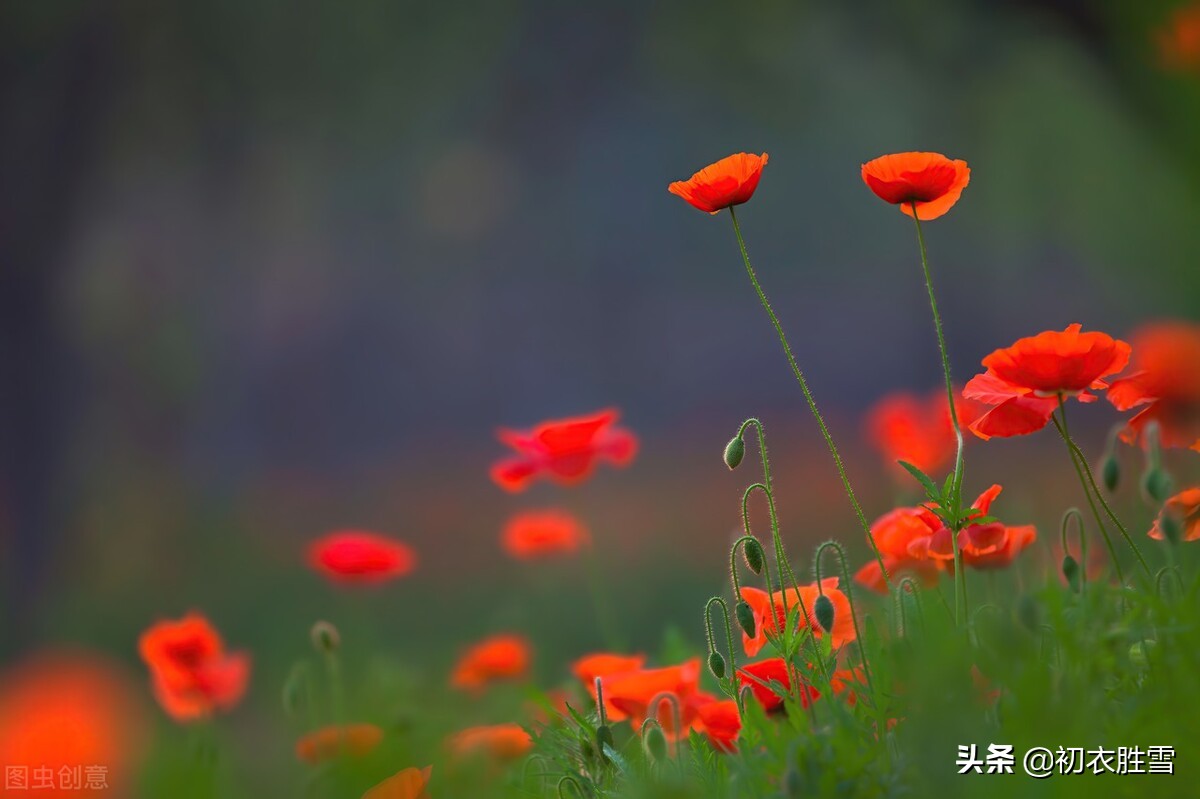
(930, 488)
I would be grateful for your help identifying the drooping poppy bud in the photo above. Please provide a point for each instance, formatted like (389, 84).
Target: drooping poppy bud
(745, 617)
(325, 638)
(1110, 471)
(655, 742)
(604, 737)
(1157, 484)
(1172, 530)
(716, 664)
(1070, 570)
(735, 450)
(753, 552)
(823, 610)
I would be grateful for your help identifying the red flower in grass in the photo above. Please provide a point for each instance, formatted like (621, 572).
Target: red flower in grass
(730, 181)
(905, 427)
(191, 673)
(497, 741)
(327, 743)
(1165, 378)
(539, 534)
(769, 613)
(721, 724)
(641, 693)
(1024, 381)
(931, 181)
(359, 557)
(603, 665)
(1185, 508)
(501, 657)
(407, 784)
(564, 450)
(1179, 42)
(894, 532)
(760, 676)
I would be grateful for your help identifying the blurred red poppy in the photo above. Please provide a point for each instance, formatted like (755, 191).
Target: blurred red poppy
(931, 181)
(1185, 508)
(1179, 40)
(894, 532)
(721, 724)
(543, 533)
(407, 784)
(191, 673)
(1165, 377)
(327, 743)
(360, 557)
(640, 693)
(1024, 381)
(498, 741)
(730, 181)
(501, 657)
(564, 450)
(602, 665)
(769, 613)
(905, 427)
(760, 676)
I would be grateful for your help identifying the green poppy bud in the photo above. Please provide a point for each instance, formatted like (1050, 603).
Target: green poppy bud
(1156, 484)
(1171, 527)
(1110, 471)
(753, 552)
(1070, 570)
(745, 617)
(325, 637)
(735, 450)
(604, 737)
(655, 742)
(716, 664)
(823, 610)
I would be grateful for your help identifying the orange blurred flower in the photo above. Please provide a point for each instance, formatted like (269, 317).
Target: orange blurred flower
(67, 711)
(358, 556)
(1179, 41)
(730, 181)
(720, 723)
(355, 740)
(192, 674)
(931, 181)
(564, 450)
(1185, 507)
(538, 534)
(1024, 381)
(498, 741)
(894, 532)
(501, 657)
(769, 613)
(759, 677)
(605, 664)
(1165, 377)
(637, 694)
(905, 427)
(407, 784)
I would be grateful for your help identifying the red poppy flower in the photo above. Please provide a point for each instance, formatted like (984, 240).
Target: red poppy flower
(602, 665)
(1179, 41)
(721, 724)
(730, 181)
(759, 676)
(894, 532)
(1185, 507)
(638, 694)
(407, 784)
(769, 613)
(930, 181)
(192, 674)
(356, 556)
(905, 427)
(1165, 377)
(564, 450)
(501, 657)
(354, 740)
(538, 534)
(1024, 381)
(498, 741)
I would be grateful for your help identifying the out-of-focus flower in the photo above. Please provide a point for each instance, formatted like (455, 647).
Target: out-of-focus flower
(361, 557)
(563, 450)
(498, 741)
(1184, 507)
(602, 665)
(730, 181)
(1024, 381)
(931, 181)
(543, 533)
(191, 673)
(641, 693)
(906, 427)
(894, 532)
(407, 784)
(759, 676)
(67, 711)
(1179, 40)
(769, 613)
(1165, 377)
(500, 657)
(353, 740)
(721, 724)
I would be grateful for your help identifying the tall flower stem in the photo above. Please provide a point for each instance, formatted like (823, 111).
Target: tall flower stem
(812, 403)
(960, 575)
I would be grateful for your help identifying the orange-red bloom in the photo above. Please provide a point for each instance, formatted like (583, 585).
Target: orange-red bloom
(192, 674)
(543, 533)
(1185, 508)
(357, 556)
(498, 741)
(501, 657)
(905, 427)
(1024, 381)
(641, 693)
(354, 740)
(769, 614)
(407, 784)
(930, 181)
(894, 532)
(602, 665)
(721, 724)
(564, 450)
(1165, 378)
(1179, 42)
(730, 181)
(760, 676)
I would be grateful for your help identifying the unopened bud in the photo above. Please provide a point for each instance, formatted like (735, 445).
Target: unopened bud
(604, 737)
(655, 742)
(745, 617)
(1171, 527)
(1070, 570)
(753, 553)
(716, 664)
(735, 450)
(1156, 484)
(325, 637)
(1110, 471)
(823, 610)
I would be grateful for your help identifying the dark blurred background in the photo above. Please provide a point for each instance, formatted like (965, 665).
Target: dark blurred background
(270, 268)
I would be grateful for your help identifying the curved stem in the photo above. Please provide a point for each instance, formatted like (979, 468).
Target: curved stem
(728, 639)
(780, 555)
(862, 650)
(812, 404)
(1073, 513)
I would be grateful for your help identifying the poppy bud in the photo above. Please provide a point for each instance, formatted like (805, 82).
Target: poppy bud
(655, 742)
(325, 637)
(735, 450)
(1171, 529)
(1156, 484)
(745, 617)
(604, 737)
(823, 610)
(716, 664)
(1070, 570)
(753, 552)
(1110, 471)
